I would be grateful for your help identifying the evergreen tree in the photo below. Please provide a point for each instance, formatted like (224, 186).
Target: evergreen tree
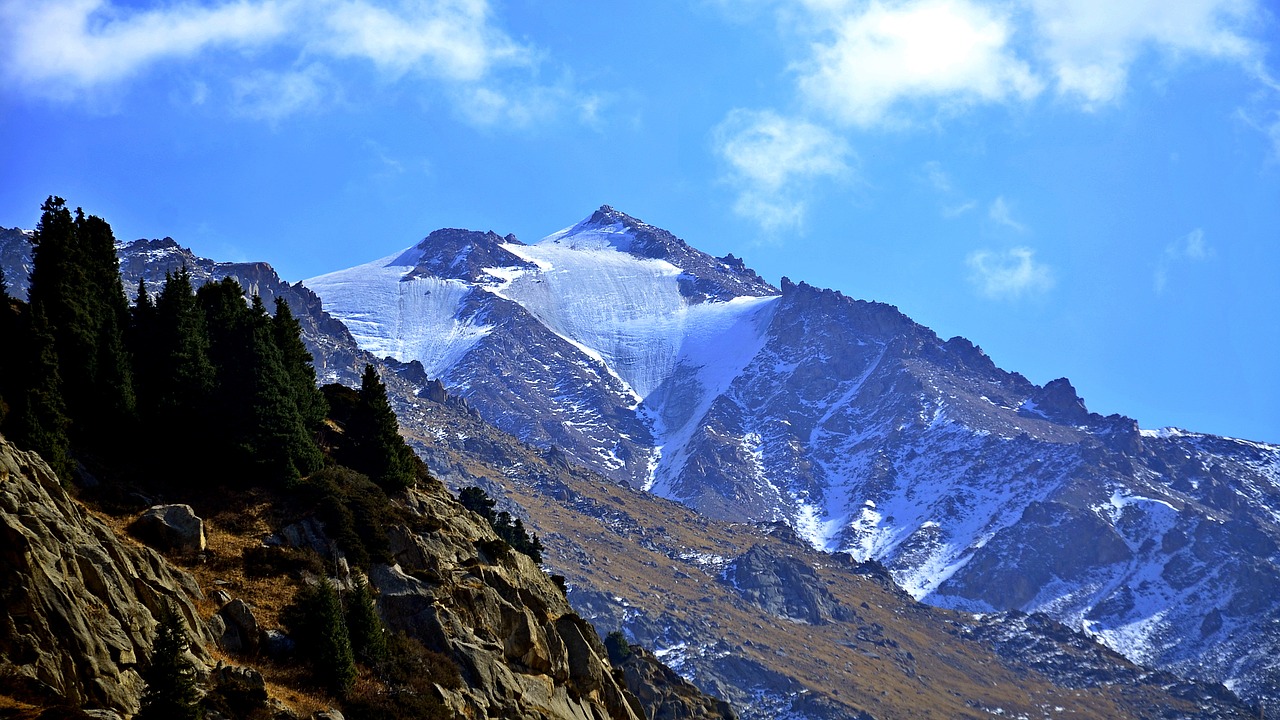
(75, 284)
(316, 623)
(171, 692)
(178, 377)
(374, 434)
(311, 404)
(37, 418)
(278, 438)
(368, 636)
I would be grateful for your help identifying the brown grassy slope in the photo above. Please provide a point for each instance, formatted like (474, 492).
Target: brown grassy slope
(654, 565)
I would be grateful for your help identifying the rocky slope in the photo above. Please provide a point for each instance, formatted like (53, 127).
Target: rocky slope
(79, 603)
(753, 614)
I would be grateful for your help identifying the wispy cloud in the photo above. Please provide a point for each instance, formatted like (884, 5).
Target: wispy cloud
(773, 161)
(1011, 274)
(1091, 45)
(887, 55)
(286, 53)
(1000, 214)
(954, 202)
(1190, 248)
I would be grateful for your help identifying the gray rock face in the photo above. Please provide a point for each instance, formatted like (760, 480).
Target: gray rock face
(79, 606)
(171, 528)
(784, 586)
(241, 632)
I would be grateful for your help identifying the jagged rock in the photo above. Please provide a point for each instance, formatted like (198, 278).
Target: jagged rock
(220, 597)
(783, 586)
(79, 605)
(666, 695)
(171, 528)
(330, 714)
(241, 632)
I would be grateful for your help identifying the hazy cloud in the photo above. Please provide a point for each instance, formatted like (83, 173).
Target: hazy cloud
(1190, 248)
(1009, 275)
(884, 55)
(273, 96)
(773, 161)
(1000, 214)
(67, 48)
(1091, 44)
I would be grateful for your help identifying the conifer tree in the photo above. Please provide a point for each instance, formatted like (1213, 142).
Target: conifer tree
(368, 636)
(316, 623)
(311, 404)
(178, 385)
(374, 432)
(277, 438)
(75, 284)
(37, 418)
(171, 692)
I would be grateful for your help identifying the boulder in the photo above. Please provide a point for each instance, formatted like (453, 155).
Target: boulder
(241, 632)
(174, 528)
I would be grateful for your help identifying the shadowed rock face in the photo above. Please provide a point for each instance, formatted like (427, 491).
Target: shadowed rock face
(783, 586)
(79, 604)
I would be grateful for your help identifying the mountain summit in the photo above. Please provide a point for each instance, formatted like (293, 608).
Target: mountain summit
(669, 370)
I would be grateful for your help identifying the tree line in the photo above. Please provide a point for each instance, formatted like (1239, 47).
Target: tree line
(191, 380)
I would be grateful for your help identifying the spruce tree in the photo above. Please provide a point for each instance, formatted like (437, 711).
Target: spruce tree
(277, 438)
(75, 284)
(311, 404)
(178, 376)
(368, 636)
(171, 692)
(374, 433)
(316, 623)
(37, 418)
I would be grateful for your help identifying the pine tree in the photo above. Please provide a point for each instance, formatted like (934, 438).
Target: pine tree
(171, 692)
(368, 636)
(37, 418)
(311, 404)
(374, 432)
(316, 623)
(278, 439)
(75, 284)
(178, 376)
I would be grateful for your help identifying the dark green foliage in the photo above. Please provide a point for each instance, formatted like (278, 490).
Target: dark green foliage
(316, 623)
(373, 435)
(176, 377)
(368, 635)
(409, 673)
(256, 410)
(75, 284)
(617, 646)
(171, 692)
(511, 530)
(310, 402)
(355, 513)
(37, 418)
(275, 561)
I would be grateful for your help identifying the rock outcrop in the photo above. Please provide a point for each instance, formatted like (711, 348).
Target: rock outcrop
(174, 528)
(78, 605)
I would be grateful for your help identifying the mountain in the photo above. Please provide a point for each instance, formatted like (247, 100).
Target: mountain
(690, 377)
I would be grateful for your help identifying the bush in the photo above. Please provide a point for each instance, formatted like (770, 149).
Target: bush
(274, 561)
(618, 647)
(316, 623)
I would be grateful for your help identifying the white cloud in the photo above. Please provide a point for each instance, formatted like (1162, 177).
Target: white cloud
(886, 55)
(1008, 275)
(1000, 214)
(1091, 44)
(453, 39)
(273, 96)
(1190, 248)
(773, 161)
(63, 45)
(70, 48)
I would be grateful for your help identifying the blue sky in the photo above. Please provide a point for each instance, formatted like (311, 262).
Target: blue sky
(1085, 188)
